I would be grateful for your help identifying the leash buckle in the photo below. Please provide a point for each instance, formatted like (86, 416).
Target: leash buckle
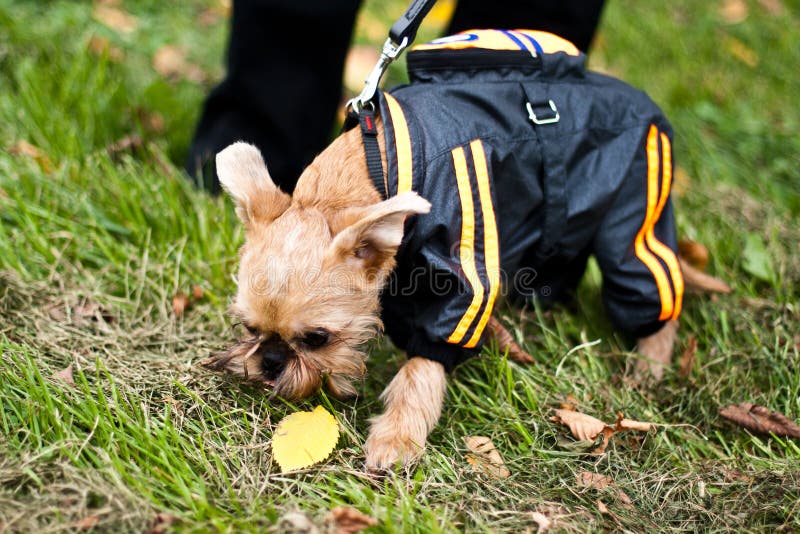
(390, 52)
(543, 120)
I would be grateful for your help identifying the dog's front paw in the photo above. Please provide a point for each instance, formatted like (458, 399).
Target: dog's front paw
(388, 445)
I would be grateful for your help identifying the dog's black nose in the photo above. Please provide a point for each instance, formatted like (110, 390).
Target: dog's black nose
(274, 353)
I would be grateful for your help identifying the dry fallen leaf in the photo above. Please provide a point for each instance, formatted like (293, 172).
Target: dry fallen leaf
(348, 520)
(180, 302)
(680, 181)
(86, 523)
(733, 11)
(90, 311)
(100, 46)
(507, 343)
(687, 359)
(693, 252)
(584, 427)
(699, 281)
(162, 522)
(596, 481)
(197, 292)
(760, 419)
(65, 375)
(773, 7)
(170, 61)
(542, 521)
(25, 149)
(303, 439)
(296, 523)
(126, 144)
(587, 428)
(486, 458)
(115, 18)
(570, 403)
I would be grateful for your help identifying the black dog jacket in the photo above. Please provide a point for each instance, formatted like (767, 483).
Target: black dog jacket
(532, 164)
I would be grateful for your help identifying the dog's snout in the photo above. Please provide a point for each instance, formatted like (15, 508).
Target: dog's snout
(274, 354)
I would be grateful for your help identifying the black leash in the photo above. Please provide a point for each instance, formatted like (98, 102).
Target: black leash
(361, 109)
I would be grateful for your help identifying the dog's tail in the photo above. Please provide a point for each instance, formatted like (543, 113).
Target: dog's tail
(700, 281)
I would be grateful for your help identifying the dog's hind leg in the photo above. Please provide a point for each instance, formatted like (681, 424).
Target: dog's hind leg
(506, 342)
(657, 351)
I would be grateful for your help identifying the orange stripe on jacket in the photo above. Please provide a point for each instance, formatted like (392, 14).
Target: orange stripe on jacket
(659, 248)
(402, 141)
(662, 282)
(467, 246)
(491, 246)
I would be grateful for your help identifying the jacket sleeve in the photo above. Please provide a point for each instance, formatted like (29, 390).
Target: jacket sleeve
(636, 243)
(459, 260)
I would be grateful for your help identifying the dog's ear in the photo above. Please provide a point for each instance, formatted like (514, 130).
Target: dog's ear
(243, 174)
(371, 242)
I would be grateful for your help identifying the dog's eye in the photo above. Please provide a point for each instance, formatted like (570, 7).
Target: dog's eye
(316, 338)
(252, 329)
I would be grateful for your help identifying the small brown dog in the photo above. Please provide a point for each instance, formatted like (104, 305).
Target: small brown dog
(314, 264)
(311, 271)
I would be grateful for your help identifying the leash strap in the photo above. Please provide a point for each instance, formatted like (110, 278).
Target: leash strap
(372, 151)
(361, 109)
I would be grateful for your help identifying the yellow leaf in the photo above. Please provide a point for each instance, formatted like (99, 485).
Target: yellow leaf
(741, 51)
(304, 438)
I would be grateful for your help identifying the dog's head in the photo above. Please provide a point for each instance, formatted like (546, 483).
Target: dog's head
(309, 279)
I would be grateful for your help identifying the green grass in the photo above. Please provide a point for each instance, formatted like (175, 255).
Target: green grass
(145, 430)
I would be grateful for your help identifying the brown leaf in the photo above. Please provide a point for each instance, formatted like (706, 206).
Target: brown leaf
(486, 458)
(542, 521)
(696, 254)
(152, 121)
(680, 181)
(507, 344)
(733, 11)
(170, 61)
(90, 311)
(601, 507)
(773, 7)
(596, 481)
(126, 144)
(197, 292)
(180, 302)
(348, 520)
(700, 281)
(584, 427)
(162, 522)
(687, 359)
(100, 46)
(296, 523)
(25, 149)
(570, 403)
(87, 522)
(759, 419)
(115, 18)
(587, 428)
(65, 375)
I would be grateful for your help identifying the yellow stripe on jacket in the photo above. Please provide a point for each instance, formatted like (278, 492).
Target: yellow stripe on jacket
(491, 250)
(402, 141)
(466, 246)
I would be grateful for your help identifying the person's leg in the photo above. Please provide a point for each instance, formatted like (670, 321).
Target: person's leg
(282, 88)
(575, 20)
